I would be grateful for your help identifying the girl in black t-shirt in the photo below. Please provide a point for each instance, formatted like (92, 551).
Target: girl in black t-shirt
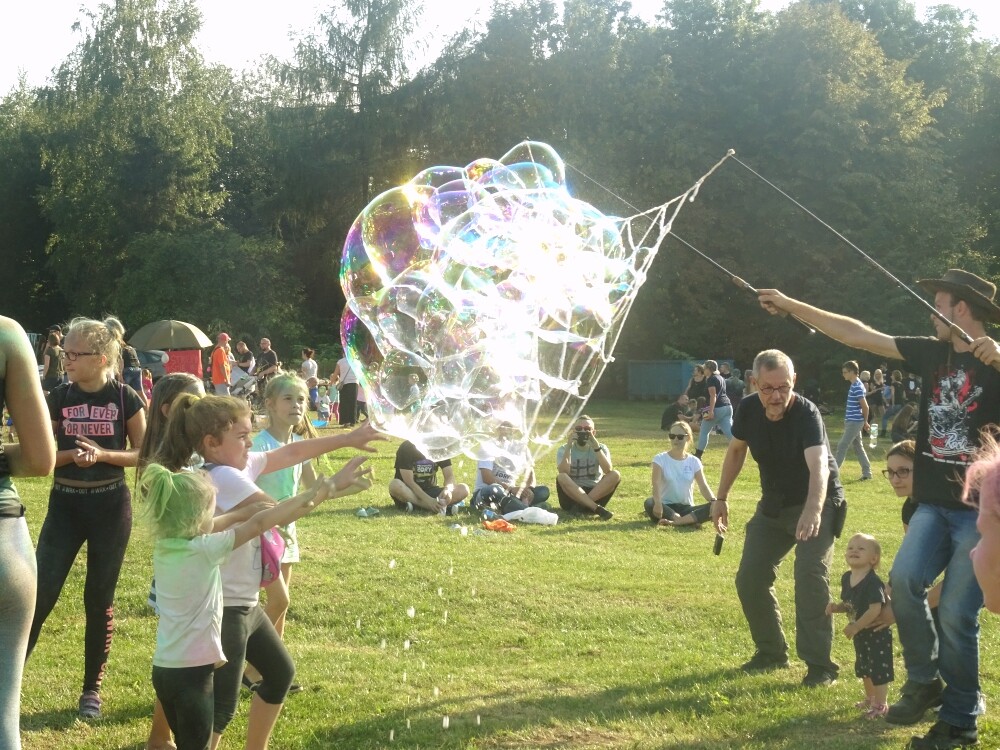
(99, 424)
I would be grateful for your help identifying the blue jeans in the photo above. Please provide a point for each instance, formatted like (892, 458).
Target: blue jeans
(891, 412)
(852, 437)
(723, 418)
(939, 540)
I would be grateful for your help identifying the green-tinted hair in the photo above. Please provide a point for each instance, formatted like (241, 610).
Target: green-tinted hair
(176, 505)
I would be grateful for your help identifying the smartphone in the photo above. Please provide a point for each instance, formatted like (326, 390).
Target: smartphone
(719, 539)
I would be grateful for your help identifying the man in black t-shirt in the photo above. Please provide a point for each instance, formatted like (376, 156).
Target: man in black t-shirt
(413, 485)
(267, 365)
(801, 497)
(959, 396)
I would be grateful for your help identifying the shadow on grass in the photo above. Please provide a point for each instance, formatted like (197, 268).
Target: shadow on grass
(120, 715)
(504, 719)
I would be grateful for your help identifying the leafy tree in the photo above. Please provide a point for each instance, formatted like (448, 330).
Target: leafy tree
(137, 124)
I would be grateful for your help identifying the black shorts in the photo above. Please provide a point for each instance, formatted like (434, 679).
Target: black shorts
(432, 491)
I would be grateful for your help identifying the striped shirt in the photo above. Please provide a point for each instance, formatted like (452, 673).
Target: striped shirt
(854, 395)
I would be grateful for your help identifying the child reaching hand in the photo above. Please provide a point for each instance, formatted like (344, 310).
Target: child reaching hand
(186, 558)
(862, 595)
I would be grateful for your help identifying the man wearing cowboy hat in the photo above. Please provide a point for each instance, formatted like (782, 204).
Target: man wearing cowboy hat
(960, 396)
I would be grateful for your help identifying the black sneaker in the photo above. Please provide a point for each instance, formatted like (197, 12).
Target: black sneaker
(945, 736)
(915, 700)
(604, 514)
(819, 677)
(761, 662)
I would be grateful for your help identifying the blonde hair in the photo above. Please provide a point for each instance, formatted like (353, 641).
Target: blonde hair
(192, 419)
(686, 427)
(102, 336)
(982, 478)
(874, 543)
(177, 505)
(289, 382)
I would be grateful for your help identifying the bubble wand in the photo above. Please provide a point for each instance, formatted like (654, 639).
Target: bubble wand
(955, 329)
(732, 276)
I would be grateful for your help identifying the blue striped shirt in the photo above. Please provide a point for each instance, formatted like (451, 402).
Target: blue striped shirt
(854, 395)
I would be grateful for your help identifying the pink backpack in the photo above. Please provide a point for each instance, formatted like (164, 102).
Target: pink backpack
(272, 547)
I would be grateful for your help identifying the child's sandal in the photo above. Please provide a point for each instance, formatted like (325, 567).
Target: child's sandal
(877, 711)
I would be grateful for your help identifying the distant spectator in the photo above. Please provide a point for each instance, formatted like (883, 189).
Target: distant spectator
(129, 368)
(894, 404)
(734, 385)
(221, 368)
(855, 420)
(720, 409)
(147, 385)
(697, 387)
(414, 483)
(904, 426)
(508, 480)
(911, 387)
(267, 364)
(678, 410)
(309, 368)
(875, 396)
(244, 357)
(674, 473)
(750, 386)
(586, 480)
(52, 361)
(346, 383)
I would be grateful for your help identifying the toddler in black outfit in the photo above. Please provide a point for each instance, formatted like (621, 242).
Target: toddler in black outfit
(862, 594)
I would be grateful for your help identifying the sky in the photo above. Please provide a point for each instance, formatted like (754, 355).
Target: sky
(35, 36)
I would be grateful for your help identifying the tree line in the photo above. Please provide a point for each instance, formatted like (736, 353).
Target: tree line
(143, 181)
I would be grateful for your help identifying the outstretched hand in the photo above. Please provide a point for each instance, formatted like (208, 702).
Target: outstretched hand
(360, 437)
(351, 479)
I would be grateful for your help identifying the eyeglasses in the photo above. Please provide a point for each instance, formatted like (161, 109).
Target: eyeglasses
(584, 429)
(72, 356)
(898, 473)
(682, 436)
(768, 390)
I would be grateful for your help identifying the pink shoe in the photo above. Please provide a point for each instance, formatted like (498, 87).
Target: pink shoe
(877, 711)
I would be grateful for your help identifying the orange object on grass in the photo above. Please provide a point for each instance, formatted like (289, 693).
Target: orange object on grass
(499, 524)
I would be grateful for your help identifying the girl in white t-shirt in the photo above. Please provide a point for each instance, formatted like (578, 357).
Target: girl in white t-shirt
(186, 558)
(674, 473)
(218, 428)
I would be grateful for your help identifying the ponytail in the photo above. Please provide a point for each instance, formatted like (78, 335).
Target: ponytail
(175, 505)
(192, 419)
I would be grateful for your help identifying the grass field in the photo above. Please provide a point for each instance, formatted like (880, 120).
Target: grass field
(587, 634)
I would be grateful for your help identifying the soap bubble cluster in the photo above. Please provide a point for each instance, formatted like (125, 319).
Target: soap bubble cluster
(486, 295)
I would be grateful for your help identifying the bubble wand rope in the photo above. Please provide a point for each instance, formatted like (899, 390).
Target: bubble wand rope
(732, 277)
(955, 329)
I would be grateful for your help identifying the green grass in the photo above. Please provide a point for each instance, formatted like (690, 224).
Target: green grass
(582, 635)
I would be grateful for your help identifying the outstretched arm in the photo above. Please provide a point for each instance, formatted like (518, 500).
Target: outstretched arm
(846, 330)
(291, 454)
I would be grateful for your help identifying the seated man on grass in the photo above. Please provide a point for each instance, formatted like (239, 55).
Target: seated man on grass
(586, 479)
(507, 482)
(414, 487)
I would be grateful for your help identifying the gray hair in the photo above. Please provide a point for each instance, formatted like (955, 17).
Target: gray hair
(711, 365)
(772, 359)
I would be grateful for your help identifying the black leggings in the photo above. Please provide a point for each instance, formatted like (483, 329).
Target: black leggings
(187, 698)
(247, 635)
(348, 404)
(101, 517)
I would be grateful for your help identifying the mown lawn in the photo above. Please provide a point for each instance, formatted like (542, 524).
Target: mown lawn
(587, 634)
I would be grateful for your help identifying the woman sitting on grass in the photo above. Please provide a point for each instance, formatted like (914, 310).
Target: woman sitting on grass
(674, 475)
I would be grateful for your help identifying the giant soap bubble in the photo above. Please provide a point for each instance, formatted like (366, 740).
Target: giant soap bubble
(486, 295)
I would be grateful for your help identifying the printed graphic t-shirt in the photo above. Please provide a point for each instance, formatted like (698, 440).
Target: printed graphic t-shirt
(424, 470)
(101, 416)
(960, 396)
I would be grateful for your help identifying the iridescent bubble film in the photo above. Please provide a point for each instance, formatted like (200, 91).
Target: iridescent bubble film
(488, 295)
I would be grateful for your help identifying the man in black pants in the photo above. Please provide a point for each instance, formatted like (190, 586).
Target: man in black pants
(801, 495)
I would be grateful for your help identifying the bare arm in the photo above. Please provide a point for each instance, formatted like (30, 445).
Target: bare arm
(706, 491)
(563, 466)
(299, 451)
(658, 482)
(732, 465)
(407, 476)
(136, 428)
(35, 453)
(867, 619)
(864, 408)
(846, 330)
(819, 474)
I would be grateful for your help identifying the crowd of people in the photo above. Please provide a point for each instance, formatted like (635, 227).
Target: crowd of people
(212, 490)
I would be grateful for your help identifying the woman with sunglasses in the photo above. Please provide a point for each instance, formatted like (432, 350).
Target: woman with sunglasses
(674, 473)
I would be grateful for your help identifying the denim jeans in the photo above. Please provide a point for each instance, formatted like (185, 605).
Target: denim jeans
(891, 412)
(939, 539)
(723, 418)
(852, 437)
(768, 541)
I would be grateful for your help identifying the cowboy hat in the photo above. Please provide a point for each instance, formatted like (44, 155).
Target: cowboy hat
(976, 291)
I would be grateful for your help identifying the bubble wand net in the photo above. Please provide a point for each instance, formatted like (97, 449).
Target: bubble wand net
(487, 295)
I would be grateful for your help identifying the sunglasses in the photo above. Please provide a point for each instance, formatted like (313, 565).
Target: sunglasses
(900, 473)
(682, 436)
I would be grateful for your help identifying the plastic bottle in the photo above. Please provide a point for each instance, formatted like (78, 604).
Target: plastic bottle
(873, 436)
(489, 515)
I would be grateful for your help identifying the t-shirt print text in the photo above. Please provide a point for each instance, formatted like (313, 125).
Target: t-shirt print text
(90, 419)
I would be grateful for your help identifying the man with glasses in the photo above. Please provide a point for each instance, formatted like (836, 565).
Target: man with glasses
(801, 503)
(586, 479)
(960, 398)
